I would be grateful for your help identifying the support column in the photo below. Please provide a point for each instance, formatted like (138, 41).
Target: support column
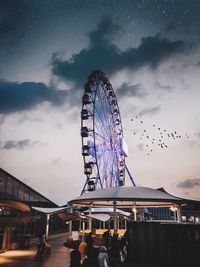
(90, 219)
(115, 216)
(83, 232)
(135, 213)
(179, 215)
(125, 223)
(118, 223)
(47, 226)
(70, 222)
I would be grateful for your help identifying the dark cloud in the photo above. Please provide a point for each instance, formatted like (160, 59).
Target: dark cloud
(104, 55)
(20, 144)
(135, 90)
(150, 111)
(13, 21)
(21, 96)
(189, 183)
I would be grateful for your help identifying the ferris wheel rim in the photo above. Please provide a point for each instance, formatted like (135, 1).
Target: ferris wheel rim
(112, 105)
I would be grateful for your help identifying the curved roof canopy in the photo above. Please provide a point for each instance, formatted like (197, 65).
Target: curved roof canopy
(15, 204)
(62, 212)
(127, 197)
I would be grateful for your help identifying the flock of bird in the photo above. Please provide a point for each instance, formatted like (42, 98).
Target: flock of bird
(154, 136)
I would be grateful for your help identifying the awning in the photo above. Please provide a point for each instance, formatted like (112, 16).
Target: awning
(128, 197)
(101, 217)
(15, 204)
(108, 210)
(61, 212)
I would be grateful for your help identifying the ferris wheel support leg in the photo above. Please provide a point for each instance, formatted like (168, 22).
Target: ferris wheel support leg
(83, 190)
(129, 174)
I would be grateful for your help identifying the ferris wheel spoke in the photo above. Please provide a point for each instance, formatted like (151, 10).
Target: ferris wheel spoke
(103, 102)
(100, 130)
(107, 108)
(105, 170)
(105, 150)
(105, 111)
(111, 167)
(103, 114)
(100, 137)
(108, 167)
(104, 127)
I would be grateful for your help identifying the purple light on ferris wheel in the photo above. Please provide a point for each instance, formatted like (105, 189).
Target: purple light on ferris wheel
(119, 131)
(117, 122)
(115, 112)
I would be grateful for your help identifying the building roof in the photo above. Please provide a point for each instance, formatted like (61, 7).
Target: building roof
(3, 194)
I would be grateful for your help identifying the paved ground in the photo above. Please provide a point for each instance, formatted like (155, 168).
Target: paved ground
(59, 256)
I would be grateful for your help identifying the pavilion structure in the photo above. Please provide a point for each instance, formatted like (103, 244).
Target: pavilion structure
(132, 198)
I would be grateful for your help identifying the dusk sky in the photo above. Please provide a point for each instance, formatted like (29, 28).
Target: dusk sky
(149, 50)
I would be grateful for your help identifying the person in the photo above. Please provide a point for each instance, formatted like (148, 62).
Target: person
(89, 241)
(115, 251)
(106, 238)
(69, 241)
(103, 259)
(82, 247)
(75, 257)
(40, 245)
(47, 248)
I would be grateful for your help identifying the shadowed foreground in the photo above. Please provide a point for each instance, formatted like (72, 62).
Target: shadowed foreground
(59, 256)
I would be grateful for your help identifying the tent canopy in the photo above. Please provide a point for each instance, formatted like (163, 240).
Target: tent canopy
(61, 212)
(128, 197)
(100, 216)
(50, 211)
(108, 210)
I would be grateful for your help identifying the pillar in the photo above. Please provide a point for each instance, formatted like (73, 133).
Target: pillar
(179, 215)
(90, 219)
(47, 226)
(70, 222)
(135, 214)
(115, 216)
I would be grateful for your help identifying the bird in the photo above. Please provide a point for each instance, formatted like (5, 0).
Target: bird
(159, 139)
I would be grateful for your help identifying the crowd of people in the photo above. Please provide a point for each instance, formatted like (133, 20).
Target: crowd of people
(111, 253)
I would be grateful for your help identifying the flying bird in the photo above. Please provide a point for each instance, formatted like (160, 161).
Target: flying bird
(155, 139)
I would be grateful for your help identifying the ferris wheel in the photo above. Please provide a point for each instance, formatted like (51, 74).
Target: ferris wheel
(103, 146)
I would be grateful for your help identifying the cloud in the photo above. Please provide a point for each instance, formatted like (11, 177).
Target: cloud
(21, 96)
(150, 111)
(104, 55)
(20, 144)
(189, 183)
(130, 90)
(198, 135)
(13, 24)
(140, 147)
(164, 87)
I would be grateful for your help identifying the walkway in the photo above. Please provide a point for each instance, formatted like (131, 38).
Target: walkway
(59, 256)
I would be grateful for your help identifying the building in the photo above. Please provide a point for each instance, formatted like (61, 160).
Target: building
(18, 221)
